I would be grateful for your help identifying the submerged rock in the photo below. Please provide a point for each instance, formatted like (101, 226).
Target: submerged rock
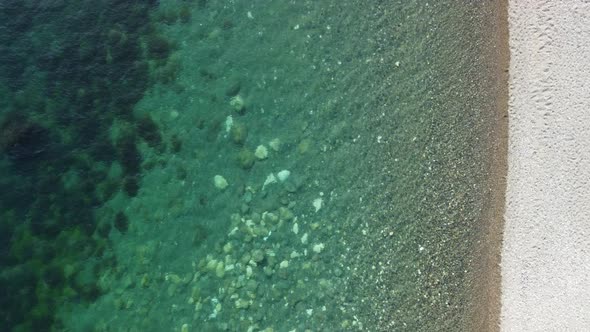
(238, 104)
(246, 159)
(220, 182)
(238, 133)
(261, 152)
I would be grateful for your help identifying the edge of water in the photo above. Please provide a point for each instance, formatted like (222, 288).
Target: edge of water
(486, 292)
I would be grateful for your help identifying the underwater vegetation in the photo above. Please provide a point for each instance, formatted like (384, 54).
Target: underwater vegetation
(70, 71)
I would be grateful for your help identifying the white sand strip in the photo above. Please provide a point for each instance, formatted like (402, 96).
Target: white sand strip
(546, 250)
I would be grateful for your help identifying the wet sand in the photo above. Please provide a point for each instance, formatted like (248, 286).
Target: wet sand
(487, 273)
(545, 260)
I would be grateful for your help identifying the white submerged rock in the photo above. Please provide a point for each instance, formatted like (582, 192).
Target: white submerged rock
(304, 238)
(296, 228)
(220, 182)
(269, 180)
(318, 248)
(283, 175)
(317, 204)
(275, 144)
(261, 152)
(229, 122)
(237, 103)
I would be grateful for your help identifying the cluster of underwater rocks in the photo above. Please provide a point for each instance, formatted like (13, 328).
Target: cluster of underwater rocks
(276, 268)
(270, 258)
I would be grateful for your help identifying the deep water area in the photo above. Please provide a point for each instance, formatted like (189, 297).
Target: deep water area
(244, 165)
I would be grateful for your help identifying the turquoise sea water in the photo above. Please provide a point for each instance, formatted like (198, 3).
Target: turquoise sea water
(241, 165)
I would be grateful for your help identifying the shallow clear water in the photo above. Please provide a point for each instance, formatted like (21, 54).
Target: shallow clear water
(241, 165)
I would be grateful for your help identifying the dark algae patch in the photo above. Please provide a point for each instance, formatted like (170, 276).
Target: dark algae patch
(71, 75)
(242, 165)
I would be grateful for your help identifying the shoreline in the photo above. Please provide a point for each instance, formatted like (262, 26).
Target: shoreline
(545, 262)
(486, 277)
